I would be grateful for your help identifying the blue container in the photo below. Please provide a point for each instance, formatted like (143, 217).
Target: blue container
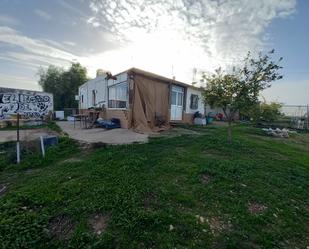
(50, 141)
(210, 120)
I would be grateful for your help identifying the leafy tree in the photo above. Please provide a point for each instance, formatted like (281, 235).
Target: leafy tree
(239, 90)
(63, 84)
(264, 112)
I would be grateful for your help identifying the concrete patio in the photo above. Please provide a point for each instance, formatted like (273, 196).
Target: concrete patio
(96, 135)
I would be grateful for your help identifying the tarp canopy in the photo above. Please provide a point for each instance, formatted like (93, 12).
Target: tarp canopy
(150, 110)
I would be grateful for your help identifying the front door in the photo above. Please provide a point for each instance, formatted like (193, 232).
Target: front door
(177, 102)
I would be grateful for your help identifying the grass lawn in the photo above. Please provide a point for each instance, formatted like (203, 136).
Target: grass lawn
(191, 191)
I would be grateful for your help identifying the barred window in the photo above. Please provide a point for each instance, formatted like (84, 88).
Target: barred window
(194, 101)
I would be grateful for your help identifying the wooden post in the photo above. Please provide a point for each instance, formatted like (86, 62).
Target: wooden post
(17, 141)
(307, 117)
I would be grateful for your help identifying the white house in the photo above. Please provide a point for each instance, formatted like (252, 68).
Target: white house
(141, 99)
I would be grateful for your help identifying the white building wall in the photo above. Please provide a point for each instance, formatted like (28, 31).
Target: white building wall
(99, 85)
(200, 108)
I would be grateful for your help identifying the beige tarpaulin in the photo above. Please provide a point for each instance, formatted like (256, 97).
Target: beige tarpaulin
(150, 105)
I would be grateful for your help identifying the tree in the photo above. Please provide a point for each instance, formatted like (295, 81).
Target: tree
(264, 112)
(63, 84)
(239, 90)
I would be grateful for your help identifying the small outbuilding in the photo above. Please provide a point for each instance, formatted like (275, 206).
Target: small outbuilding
(141, 100)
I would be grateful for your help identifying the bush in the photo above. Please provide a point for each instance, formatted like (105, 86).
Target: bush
(264, 112)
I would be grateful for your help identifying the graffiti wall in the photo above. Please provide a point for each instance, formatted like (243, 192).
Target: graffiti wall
(30, 104)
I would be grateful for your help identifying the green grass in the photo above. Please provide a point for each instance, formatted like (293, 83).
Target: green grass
(153, 193)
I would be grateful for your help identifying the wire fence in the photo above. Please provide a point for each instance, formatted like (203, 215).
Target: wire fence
(295, 116)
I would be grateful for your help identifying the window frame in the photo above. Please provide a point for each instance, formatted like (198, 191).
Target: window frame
(127, 95)
(192, 96)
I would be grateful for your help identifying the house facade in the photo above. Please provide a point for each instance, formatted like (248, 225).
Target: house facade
(141, 100)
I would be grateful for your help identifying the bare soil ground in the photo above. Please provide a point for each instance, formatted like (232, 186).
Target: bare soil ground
(25, 135)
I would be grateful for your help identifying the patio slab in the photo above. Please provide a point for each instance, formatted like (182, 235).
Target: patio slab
(99, 135)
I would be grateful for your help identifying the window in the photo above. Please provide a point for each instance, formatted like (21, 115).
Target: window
(194, 101)
(180, 99)
(118, 95)
(82, 98)
(177, 95)
(174, 94)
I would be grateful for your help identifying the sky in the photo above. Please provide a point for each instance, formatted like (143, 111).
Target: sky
(170, 38)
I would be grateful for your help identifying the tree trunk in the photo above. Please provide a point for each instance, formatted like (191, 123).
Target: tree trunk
(229, 132)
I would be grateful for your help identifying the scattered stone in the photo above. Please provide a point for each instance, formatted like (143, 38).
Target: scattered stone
(61, 227)
(98, 223)
(256, 208)
(217, 225)
(200, 219)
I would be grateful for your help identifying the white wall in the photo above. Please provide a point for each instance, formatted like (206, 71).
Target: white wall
(200, 101)
(98, 84)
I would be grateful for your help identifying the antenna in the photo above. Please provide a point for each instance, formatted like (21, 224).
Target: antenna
(194, 71)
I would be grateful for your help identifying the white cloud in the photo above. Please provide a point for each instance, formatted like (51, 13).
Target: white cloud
(34, 46)
(94, 22)
(20, 82)
(42, 14)
(187, 34)
(70, 43)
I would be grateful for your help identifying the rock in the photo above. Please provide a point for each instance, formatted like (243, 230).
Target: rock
(171, 228)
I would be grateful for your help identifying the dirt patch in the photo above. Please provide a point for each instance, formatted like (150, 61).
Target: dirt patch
(32, 171)
(215, 154)
(72, 160)
(217, 225)
(3, 189)
(149, 200)
(98, 223)
(176, 132)
(205, 178)
(61, 227)
(256, 208)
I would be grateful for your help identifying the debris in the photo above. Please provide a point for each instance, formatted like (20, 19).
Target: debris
(284, 133)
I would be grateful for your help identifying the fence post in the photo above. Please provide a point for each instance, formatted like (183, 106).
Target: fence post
(42, 146)
(307, 117)
(17, 141)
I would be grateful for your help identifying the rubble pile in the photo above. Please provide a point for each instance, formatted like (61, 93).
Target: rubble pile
(284, 133)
